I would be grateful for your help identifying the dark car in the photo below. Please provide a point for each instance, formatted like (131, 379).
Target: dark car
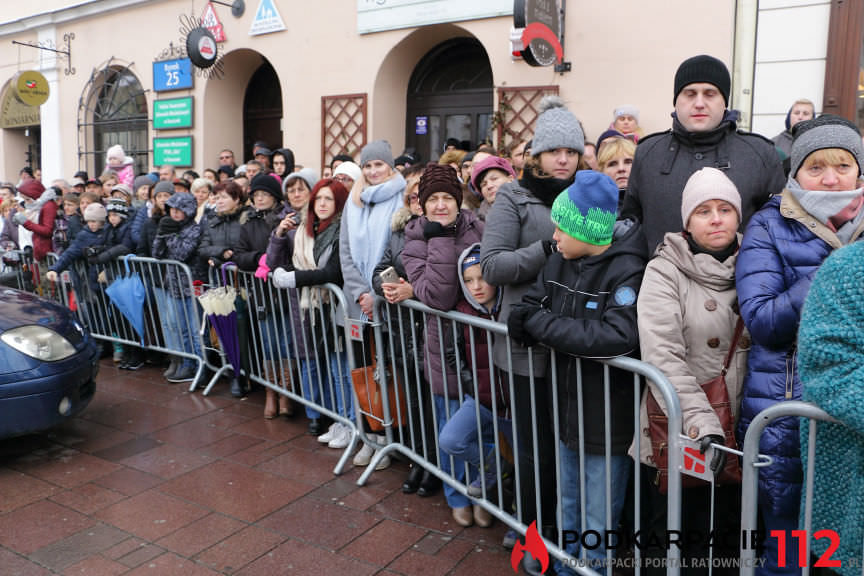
(48, 364)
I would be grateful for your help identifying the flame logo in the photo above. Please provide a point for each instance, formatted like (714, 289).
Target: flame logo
(30, 84)
(533, 545)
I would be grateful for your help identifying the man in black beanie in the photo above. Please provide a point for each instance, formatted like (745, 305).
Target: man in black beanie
(703, 134)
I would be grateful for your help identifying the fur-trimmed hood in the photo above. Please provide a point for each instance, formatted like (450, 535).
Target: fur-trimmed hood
(400, 219)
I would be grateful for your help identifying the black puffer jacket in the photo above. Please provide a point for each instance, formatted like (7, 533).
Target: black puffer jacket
(221, 232)
(255, 236)
(587, 307)
(664, 161)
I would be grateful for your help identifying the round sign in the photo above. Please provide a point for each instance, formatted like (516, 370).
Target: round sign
(541, 20)
(201, 47)
(31, 88)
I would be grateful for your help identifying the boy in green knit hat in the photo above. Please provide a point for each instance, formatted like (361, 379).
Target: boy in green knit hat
(584, 305)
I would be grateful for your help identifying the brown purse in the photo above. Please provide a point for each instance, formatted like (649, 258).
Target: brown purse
(718, 397)
(367, 387)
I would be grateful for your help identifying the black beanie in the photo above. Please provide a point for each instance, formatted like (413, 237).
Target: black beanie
(268, 184)
(703, 68)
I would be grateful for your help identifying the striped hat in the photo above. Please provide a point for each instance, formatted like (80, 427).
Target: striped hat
(588, 208)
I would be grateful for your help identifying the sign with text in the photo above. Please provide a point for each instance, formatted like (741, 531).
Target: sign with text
(172, 75)
(174, 113)
(421, 125)
(267, 19)
(211, 21)
(174, 151)
(379, 15)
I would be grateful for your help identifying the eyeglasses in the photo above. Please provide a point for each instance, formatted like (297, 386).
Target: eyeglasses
(342, 178)
(413, 198)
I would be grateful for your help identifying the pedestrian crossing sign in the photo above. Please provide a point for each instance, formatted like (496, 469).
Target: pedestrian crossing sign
(267, 19)
(211, 21)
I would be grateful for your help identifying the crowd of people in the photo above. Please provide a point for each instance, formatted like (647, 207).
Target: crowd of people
(686, 248)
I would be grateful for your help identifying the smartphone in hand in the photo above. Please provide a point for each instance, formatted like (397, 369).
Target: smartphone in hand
(389, 276)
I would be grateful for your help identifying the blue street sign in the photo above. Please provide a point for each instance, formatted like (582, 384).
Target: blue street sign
(172, 75)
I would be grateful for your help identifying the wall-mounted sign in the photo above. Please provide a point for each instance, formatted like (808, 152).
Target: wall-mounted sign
(201, 47)
(267, 19)
(31, 88)
(173, 113)
(379, 15)
(211, 21)
(14, 113)
(540, 22)
(172, 75)
(421, 125)
(174, 151)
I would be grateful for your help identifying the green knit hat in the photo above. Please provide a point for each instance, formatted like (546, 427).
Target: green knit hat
(588, 208)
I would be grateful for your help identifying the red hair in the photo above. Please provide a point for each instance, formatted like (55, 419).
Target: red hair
(340, 194)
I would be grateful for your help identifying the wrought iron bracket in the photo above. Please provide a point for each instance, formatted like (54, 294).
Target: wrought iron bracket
(67, 39)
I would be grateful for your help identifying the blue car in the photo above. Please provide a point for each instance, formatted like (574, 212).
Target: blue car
(48, 364)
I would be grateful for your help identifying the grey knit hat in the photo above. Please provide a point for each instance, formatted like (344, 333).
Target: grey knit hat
(163, 186)
(556, 127)
(377, 150)
(95, 211)
(826, 131)
(308, 175)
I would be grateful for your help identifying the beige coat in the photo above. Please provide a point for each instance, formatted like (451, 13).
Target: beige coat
(687, 313)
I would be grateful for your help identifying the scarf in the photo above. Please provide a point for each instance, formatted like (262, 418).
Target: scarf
(311, 254)
(544, 189)
(719, 255)
(369, 222)
(839, 211)
(708, 138)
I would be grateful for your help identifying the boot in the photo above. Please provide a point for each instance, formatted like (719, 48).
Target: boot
(271, 409)
(237, 390)
(173, 366)
(285, 407)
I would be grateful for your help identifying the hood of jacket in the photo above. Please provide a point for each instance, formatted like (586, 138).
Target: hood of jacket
(701, 268)
(400, 219)
(499, 293)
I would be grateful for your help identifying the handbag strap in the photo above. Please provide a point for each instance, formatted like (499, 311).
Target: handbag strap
(739, 329)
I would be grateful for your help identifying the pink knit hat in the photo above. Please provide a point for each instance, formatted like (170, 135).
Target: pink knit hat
(708, 184)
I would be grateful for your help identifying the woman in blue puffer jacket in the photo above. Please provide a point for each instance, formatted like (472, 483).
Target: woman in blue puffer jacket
(784, 245)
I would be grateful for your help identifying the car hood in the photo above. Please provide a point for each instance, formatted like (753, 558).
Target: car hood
(20, 308)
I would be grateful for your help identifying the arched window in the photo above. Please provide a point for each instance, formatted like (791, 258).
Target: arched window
(115, 112)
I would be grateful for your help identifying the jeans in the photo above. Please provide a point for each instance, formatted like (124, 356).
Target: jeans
(275, 339)
(180, 324)
(595, 499)
(786, 523)
(460, 438)
(454, 498)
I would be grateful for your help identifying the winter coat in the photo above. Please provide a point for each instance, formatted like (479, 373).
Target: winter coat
(783, 141)
(831, 360)
(43, 230)
(118, 241)
(10, 231)
(183, 247)
(280, 252)
(688, 309)
(77, 251)
(782, 249)
(393, 252)
(432, 267)
(221, 232)
(512, 256)
(587, 307)
(138, 217)
(255, 236)
(665, 161)
(147, 235)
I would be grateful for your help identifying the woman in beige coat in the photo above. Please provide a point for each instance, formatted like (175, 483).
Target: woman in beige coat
(687, 316)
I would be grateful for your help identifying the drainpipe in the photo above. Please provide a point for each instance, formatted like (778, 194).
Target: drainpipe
(744, 60)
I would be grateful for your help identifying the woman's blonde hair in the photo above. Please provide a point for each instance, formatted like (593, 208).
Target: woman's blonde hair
(612, 147)
(829, 156)
(453, 156)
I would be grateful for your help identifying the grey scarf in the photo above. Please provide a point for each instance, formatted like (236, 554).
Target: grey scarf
(840, 211)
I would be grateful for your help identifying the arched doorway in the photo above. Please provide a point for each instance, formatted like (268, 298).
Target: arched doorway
(449, 96)
(262, 110)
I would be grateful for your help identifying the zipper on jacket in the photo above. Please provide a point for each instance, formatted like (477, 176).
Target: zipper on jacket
(790, 371)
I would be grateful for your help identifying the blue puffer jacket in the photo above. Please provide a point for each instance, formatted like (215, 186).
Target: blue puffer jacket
(783, 247)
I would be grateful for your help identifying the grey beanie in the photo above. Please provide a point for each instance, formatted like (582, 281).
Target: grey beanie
(141, 181)
(377, 150)
(826, 131)
(556, 127)
(163, 186)
(308, 175)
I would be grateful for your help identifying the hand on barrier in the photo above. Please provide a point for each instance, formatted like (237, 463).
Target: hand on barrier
(516, 324)
(92, 253)
(718, 462)
(51, 275)
(102, 278)
(367, 304)
(284, 279)
(397, 292)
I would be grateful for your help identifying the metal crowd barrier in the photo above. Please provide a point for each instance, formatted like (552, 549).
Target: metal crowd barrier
(19, 270)
(404, 327)
(752, 463)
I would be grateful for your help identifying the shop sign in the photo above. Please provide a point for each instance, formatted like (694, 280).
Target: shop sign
(201, 47)
(267, 19)
(14, 113)
(540, 22)
(174, 151)
(31, 88)
(211, 21)
(172, 75)
(173, 113)
(379, 15)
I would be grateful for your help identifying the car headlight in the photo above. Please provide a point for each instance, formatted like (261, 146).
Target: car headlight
(38, 342)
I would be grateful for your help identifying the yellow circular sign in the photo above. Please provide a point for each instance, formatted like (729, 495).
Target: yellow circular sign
(31, 88)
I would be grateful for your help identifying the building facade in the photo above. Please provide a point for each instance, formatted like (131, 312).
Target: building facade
(324, 78)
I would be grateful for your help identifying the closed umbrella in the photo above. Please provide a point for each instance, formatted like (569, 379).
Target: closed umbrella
(128, 295)
(221, 307)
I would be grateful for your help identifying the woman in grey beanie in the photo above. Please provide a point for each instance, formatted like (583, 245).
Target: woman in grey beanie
(516, 241)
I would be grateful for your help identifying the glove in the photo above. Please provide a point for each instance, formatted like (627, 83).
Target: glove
(435, 229)
(516, 324)
(284, 279)
(19, 218)
(549, 247)
(718, 462)
(103, 257)
(168, 226)
(93, 252)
